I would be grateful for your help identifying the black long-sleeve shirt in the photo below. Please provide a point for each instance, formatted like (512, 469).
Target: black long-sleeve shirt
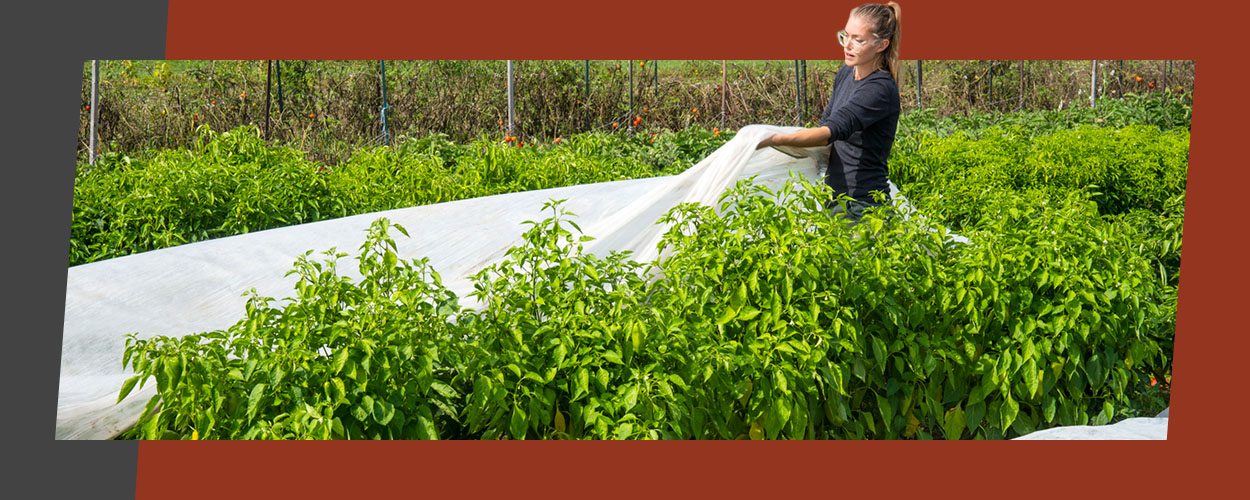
(862, 117)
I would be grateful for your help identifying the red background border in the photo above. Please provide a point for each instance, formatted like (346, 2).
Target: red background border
(1197, 458)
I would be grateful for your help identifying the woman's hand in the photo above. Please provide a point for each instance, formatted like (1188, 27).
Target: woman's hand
(767, 142)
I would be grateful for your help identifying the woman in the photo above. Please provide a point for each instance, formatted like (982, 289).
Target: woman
(862, 114)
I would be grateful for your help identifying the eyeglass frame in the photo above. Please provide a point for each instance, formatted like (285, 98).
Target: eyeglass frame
(842, 34)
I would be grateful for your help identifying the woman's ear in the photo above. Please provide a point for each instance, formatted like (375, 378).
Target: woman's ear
(885, 44)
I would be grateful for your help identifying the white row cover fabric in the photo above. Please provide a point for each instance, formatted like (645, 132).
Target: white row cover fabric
(199, 287)
(1155, 428)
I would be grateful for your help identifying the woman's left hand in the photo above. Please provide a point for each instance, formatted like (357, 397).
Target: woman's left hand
(768, 141)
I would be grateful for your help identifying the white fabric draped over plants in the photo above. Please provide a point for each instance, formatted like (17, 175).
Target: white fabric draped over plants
(199, 287)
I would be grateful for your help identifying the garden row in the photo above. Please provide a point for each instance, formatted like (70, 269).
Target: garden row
(234, 182)
(766, 320)
(770, 321)
(1135, 176)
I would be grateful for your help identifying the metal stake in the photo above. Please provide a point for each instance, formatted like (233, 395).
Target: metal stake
(1120, 81)
(95, 107)
(511, 102)
(724, 83)
(991, 74)
(1166, 70)
(386, 137)
(278, 69)
(803, 87)
(798, 96)
(268, 77)
(1093, 83)
(631, 97)
(1021, 105)
(919, 84)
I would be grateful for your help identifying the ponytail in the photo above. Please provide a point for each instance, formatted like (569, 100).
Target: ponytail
(885, 20)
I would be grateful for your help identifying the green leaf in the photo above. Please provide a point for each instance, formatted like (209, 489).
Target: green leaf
(780, 381)
(612, 357)
(603, 377)
(1031, 377)
(127, 386)
(248, 368)
(558, 354)
(173, 373)
(1008, 412)
(976, 395)
(624, 431)
(360, 412)
(253, 400)
(1093, 367)
(953, 423)
(748, 313)
(350, 370)
(534, 377)
(338, 390)
(340, 360)
(739, 297)
(879, 353)
(835, 375)
(152, 425)
(581, 383)
(519, 423)
(383, 411)
(631, 397)
(776, 417)
(887, 411)
(1104, 417)
(444, 389)
(973, 416)
(1048, 409)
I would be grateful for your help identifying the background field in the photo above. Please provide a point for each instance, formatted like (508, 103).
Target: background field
(326, 108)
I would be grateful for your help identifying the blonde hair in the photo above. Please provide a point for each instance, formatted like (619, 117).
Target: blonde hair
(885, 21)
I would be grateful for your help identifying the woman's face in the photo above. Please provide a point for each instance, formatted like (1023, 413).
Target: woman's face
(865, 55)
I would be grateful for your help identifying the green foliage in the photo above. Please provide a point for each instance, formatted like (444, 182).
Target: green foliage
(765, 319)
(560, 342)
(234, 183)
(1161, 111)
(1131, 168)
(341, 360)
(228, 184)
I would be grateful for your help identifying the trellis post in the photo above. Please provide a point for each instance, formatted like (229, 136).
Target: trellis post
(386, 137)
(991, 75)
(803, 87)
(919, 84)
(798, 99)
(1093, 83)
(1020, 106)
(511, 102)
(268, 78)
(723, 100)
(95, 108)
(631, 97)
